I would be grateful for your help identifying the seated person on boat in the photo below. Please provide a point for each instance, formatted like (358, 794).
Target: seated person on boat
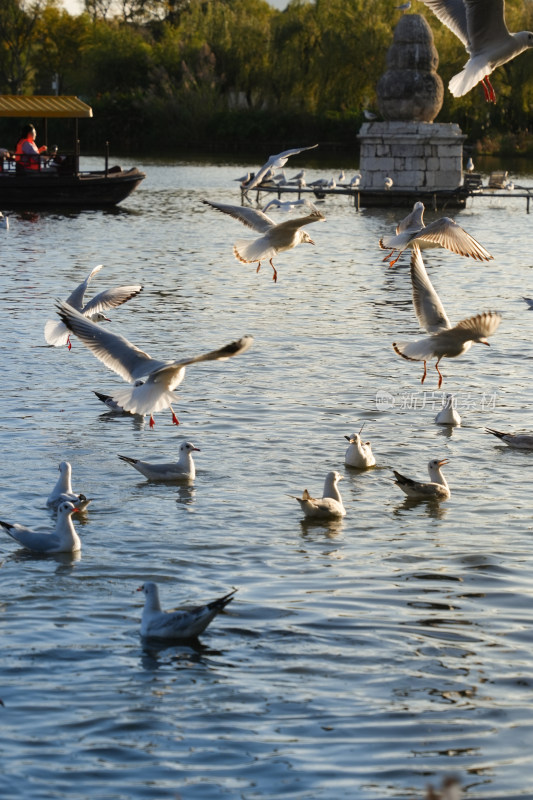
(27, 154)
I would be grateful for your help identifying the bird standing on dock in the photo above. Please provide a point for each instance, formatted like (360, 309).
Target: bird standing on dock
(276, 237)
(443, 232)
(444, 341)
(480, 25)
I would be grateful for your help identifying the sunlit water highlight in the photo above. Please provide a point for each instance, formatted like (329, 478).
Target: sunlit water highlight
(360, 659)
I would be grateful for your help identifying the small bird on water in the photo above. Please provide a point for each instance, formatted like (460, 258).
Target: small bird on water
(182, 470)
(329, 506)
(179, 623)
(436, 489)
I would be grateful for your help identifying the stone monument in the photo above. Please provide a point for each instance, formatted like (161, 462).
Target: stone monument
(408, 146)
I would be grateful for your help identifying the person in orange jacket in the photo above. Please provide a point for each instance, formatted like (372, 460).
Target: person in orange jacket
(27, 153)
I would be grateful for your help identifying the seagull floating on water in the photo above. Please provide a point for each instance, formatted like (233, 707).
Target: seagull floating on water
(329, 506)
(63, 492)
(180, 623)
(273, 163)
(63, 539)
(131, 363)
(359, 454)
(4, 221)
(57, 334)
(521, 441)
(448, 415)
(443, 232)
(276, 237)
(480, 25)
(183, 469)
(444, 341)
(437, 489)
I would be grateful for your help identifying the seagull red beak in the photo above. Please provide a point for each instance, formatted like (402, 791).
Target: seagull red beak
(443, 461)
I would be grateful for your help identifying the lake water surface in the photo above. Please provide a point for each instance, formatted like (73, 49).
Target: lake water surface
(360, 659)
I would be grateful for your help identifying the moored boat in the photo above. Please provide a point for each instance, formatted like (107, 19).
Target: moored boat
(58, 179)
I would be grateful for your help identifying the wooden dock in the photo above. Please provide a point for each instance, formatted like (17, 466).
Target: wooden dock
(393, 198)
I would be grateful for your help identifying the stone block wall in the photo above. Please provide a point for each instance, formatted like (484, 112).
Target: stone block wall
(416, 155)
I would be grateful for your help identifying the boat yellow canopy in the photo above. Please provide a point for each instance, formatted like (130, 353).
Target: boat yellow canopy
(43, 106)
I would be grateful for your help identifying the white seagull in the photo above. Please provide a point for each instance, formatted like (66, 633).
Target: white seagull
(448, 415)
(131, 363)
(4, 221)
(182, 470)
(358, 454)
(481, 27)
(273, 163)
(330, 506)
(180, 623)
(276, 237)
(521, 441)
(63, 539)
(288, 205)
(437, 489)
(445, 341)
(57, 334)
(63, 492)
(443, 232)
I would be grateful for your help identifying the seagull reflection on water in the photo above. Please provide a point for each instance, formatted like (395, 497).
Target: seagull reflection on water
(330, 528)
(432, 508)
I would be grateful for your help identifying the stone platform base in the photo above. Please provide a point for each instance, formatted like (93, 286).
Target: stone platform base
(416, 155)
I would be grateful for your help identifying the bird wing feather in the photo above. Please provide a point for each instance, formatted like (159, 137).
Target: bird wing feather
(76, 298)
(428, 307)
(113, 350)
(111, 298)
(251, 217)
(447, 233)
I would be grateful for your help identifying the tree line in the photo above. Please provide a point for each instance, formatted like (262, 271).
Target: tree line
(237, 75)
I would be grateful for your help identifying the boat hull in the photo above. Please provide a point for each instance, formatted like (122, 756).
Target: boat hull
(84, 190)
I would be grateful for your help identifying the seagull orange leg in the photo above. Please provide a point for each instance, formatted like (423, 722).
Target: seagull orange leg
(392, 263)
(258, 267)
(152, 421)
(425, 373)
(440, 374)
(275, 275)
(387, 257)
(490, 94)
(175, 420)
(69, 343)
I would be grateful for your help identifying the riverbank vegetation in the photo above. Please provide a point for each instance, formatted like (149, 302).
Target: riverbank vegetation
(239, 75)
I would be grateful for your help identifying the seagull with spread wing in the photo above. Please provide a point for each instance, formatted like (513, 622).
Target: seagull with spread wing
(276, 237)
(131, 363)
(444, 341)
(481, 27)
(443, 232)
(274, 162)
(56, 333)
